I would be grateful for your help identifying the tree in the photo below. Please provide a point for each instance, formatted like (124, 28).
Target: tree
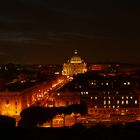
(7, 122)
(78, 108)
(35, 116)
(78, 126)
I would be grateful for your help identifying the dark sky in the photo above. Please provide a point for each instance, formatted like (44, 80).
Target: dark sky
(48, 31)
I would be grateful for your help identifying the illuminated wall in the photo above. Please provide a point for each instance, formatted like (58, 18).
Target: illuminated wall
(10, 104)
(66, 98)
(73, 69)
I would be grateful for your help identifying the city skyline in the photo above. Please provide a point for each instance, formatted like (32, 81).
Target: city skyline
(44, 32)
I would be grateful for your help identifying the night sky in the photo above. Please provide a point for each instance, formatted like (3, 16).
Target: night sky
(48, 31)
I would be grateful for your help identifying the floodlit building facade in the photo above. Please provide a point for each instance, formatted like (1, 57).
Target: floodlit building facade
(104, 96)
(12, 103)
(74, 66)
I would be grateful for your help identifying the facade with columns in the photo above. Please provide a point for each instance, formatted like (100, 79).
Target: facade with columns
(74, 66)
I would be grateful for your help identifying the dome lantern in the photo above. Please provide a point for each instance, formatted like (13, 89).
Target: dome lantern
(75, 52)
(76, 59)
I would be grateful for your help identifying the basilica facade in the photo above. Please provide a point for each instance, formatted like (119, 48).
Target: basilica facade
(74, 66)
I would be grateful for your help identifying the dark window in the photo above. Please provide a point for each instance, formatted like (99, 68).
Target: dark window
(7, 102)
(15, 103)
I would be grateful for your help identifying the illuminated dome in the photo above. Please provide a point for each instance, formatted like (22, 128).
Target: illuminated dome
(76, 59)
(74, 66)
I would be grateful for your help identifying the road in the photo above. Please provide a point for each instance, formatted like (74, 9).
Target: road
(44, 92)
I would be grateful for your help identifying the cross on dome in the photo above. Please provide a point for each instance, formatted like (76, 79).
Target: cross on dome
(75, 52)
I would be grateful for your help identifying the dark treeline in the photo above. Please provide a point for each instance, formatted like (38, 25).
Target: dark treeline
(36, 116)
(117, 131)
(7, 122)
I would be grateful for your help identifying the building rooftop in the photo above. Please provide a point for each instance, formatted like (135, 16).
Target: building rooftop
(95, 81)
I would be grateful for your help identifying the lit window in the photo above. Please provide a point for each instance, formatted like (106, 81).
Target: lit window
(86, 92)
(6, 105)
(122, 97)
(58, 94)
(117, 92)
(102, 84)
(124, 83)
(39, 95)
(122, 102)
(108, 97)
(136, 101)
(126, 97)
(104, 102)
(131, 97)
(127, 102)
(81, 93)
(113, 106)
(95, 106)
(105, 106)
(118, 106)
(91, 98)
(128, 83)
(108, 92)
(107, 84)
(109, 106)
(96, 98)
(104, 97)
(118, 101)
(109, 102)
(92, 83)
